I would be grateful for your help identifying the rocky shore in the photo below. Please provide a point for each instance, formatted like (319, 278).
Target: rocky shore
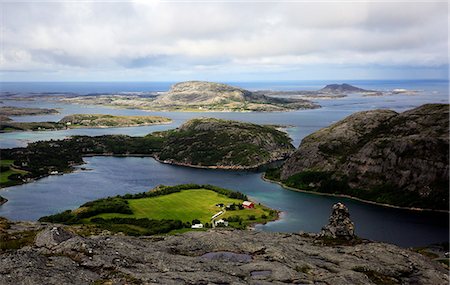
(51, 254)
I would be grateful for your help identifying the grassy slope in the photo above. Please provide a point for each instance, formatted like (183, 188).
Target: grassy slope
(4, 174)
(185, 206)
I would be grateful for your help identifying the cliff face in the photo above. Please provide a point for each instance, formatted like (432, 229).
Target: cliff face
(49, 254)
(220, 97)
(225, 144)
(408, 151)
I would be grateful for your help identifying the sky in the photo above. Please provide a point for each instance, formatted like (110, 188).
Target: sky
(222, 40)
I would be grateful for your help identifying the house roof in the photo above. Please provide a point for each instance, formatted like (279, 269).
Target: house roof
(247, 203)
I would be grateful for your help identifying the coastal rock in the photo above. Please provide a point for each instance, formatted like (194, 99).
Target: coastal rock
(406, 152)
(3, 200)
(340, 225)
(184, 259)
(52, 236)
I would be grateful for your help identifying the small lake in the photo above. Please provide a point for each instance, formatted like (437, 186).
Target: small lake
(110, 176)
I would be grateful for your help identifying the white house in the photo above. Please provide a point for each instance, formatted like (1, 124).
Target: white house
(197, 226)
(221, 222)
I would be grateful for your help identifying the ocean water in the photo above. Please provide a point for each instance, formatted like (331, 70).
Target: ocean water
(300, 211)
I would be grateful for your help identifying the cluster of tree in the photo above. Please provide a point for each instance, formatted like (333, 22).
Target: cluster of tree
(41, 158)
(165, 190)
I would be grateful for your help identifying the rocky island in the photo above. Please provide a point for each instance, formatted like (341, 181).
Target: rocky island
(46, 253)
(84, 121)
(381, 156)
(200, 96)
(215, 143)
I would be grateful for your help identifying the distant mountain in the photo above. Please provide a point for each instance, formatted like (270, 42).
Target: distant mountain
(343, 88)
(202, 95)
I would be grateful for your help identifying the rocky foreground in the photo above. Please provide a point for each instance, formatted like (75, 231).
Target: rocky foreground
(57, 255)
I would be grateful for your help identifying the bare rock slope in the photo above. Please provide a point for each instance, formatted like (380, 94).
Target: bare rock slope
(58, 256)
(407, 152)
(221, 97)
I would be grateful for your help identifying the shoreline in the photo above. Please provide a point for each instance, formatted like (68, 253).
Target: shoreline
(352, 198)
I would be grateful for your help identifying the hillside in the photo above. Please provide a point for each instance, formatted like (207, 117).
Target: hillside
(400, 159)
(208, 142)
(202, 95)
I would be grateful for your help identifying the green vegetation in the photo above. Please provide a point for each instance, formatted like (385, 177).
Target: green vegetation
(16, 240)
(214, 142)
(9, 175)
(377, 277)
(328, 183)
(164, 209)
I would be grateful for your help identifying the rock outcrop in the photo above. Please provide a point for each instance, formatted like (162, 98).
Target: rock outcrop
(216, 143)
(406, 152)
(340, 225)
(203, 95)
(52, 236)
(213, 257)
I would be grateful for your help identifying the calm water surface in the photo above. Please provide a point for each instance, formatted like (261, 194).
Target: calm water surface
(301, 212)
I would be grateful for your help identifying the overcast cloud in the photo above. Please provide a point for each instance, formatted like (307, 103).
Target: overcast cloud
(152, 40)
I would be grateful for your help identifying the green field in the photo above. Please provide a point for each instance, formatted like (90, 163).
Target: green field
(185, 206)
(165, 209)
(4, 174)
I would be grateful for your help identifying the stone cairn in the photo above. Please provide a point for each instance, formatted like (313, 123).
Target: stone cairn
(339, 225)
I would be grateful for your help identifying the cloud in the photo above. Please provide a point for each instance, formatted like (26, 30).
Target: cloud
(172, 37)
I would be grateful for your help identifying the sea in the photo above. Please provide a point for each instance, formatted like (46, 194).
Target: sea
(107, 176)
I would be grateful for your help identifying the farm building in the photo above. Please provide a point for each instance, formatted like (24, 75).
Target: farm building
(248, 205)
(197, 226)
(221, 223)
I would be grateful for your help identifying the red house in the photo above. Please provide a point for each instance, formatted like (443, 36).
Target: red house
(248, 205)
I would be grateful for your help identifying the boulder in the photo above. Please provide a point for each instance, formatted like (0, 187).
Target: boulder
(52, 236)
(339, 225)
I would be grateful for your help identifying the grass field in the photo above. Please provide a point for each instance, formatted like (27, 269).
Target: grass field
(4, 174)
(185, 206)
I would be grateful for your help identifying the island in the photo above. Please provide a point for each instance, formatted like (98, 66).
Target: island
(200, 96)
(7, 111)
(84, 121)
(168, 209)
(49, 253)
(203, 142)
(225, 144)
(379, 156)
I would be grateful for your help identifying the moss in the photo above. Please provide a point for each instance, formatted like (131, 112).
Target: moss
(16, 240)
(377, 277)
(303, 268)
